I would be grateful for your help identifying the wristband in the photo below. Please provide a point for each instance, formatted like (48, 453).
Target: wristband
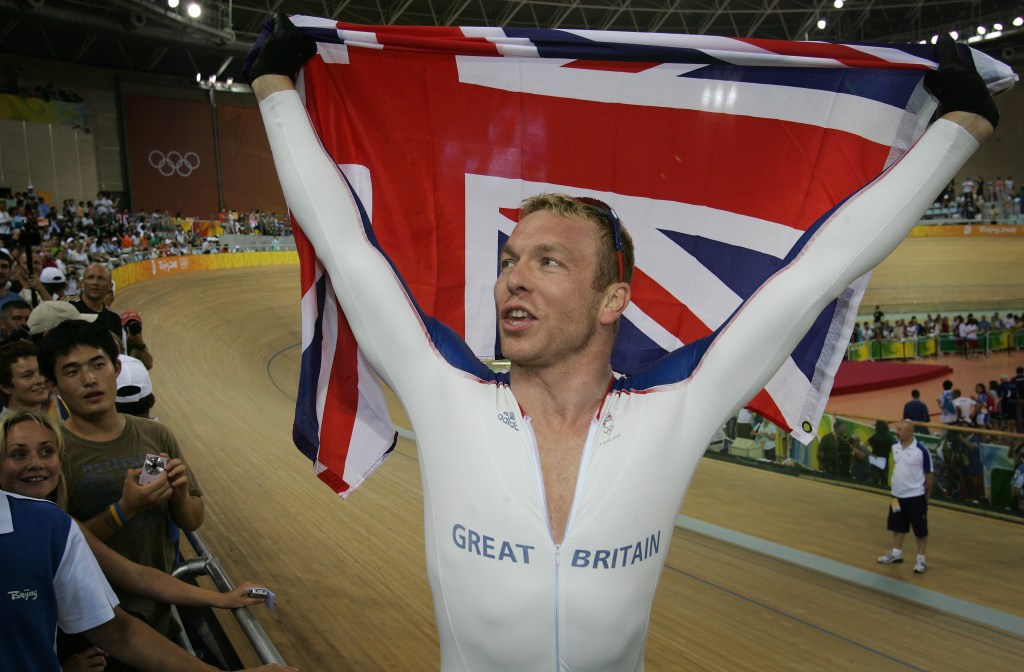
(115, 515)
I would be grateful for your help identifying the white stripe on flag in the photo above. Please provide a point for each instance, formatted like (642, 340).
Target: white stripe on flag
(663, 87)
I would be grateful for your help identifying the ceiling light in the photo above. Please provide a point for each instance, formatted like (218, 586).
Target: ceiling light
(838, 4)
(821, 24)
(173, 4)
(199, 77)
(997, 26)
(981, 30)
(194, 10)
(955, 35)
(1018, 22)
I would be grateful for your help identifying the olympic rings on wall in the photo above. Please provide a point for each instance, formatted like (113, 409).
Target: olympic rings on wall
(173, 162)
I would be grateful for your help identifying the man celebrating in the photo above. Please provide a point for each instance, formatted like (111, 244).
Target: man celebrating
(911, 484)
(551, 492)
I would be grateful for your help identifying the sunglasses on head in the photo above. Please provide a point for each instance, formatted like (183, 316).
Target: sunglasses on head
(606, 210)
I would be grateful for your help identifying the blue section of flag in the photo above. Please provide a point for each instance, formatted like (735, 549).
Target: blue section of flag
(739, 268)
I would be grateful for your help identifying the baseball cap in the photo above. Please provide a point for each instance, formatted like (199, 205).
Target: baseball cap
(49, 314)
(51, 275)
(130, 316)
(133, 383)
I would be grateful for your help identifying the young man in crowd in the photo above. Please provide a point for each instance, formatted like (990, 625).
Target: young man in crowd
(81, 360)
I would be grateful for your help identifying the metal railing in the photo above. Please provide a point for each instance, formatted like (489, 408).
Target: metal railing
(206, 564)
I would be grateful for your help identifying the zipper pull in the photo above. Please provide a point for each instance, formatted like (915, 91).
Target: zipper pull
(558, 557)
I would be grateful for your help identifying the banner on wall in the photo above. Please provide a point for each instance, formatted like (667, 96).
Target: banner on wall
(39, 111)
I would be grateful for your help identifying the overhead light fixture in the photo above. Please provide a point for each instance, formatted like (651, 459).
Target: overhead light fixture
(1018, 22)
(997, 26)
(821, 24)
(194, 10)
(974, 38)
(935, 39)
(838, 4)
(955, 35)
(982, 30)
(213, 79)
(199, 77)
(173, 4)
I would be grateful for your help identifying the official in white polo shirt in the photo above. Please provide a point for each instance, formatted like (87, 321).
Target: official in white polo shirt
(911, 485)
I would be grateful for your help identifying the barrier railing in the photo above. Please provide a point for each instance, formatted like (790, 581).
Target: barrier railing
(206, 564)
(930, 346)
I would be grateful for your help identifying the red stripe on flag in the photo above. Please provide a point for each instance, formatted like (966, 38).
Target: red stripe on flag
(611, 66)
(763, 404)
(428, 39)
(665, 309)
(307, 258)
(343, 392)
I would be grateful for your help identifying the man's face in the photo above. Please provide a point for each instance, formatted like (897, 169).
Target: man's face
(96, 283)
(5, 271)
(87, 381)
(16, 318)
(28, 388)
(904, 431)
(548, 310)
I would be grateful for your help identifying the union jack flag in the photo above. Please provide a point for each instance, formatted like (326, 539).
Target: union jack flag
(720, 155)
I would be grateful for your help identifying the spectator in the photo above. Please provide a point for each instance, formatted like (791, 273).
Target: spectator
(134, 342)
(1017, 404)
(911, 486)
(986, 406)
(917, 411)
(21, 382)
(134, 389)
(966, 408)
(54, 283)
(834, 451)
(881, 449)
(860, 469)
(44, 552)
(5, 277)
(13, 316)
(96, 285)
(946, 409)
(81, 360)
(48, 315)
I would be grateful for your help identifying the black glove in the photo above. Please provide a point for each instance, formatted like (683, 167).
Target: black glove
(279, 50)
(957, 85)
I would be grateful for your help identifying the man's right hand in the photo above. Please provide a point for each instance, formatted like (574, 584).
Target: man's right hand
(137, 498)
(283, 52)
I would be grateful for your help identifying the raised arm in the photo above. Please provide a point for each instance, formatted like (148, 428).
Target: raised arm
(376, 304)
(864, 231)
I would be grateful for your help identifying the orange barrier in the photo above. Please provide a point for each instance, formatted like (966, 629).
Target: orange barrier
(138, 271)
(967, 230)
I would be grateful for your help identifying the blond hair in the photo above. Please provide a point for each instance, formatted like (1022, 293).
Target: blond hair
(60, 494)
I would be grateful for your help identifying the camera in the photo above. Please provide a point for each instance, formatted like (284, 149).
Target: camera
(134, 327)
(152, 467)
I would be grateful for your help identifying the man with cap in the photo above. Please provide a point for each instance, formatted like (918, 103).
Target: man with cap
(49, 314)
(134, 389)
(54, 283)
(134, 343)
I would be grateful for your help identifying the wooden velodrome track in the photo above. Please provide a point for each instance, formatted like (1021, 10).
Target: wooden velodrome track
(350, 578)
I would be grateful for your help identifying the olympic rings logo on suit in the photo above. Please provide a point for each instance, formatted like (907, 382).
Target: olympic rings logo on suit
(174, 162)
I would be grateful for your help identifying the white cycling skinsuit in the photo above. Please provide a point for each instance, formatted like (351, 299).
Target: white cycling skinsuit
(506, 597)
